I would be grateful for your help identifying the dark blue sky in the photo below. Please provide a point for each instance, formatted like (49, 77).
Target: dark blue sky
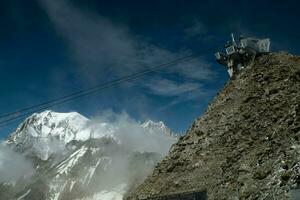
(49, 48)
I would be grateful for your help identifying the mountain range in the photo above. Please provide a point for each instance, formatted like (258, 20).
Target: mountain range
(73, 157)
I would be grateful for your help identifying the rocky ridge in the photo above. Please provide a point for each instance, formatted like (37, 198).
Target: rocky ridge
(246, 145)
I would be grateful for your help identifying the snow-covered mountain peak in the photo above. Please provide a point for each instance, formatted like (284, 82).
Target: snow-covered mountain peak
(46, 133)
(156, 127)
(48, 124)
(43, 134)
(53, 119)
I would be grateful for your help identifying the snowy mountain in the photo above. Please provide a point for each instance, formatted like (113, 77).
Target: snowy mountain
(156, 127)
(78, 158)
(48, 132)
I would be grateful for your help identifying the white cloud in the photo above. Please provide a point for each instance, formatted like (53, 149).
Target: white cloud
(95, 42)
(131, 134)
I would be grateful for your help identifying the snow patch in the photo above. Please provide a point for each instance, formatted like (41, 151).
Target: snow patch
(66, 165)
(24, 195)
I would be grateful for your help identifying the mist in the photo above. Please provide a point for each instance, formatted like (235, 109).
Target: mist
(130, 133)
(13, 166)
(132, 153)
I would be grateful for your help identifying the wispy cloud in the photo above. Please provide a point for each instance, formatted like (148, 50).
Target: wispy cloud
(198, 28)
(200, 32)
(198, 70)
(95, 42)
(165, 87)
(104, 49)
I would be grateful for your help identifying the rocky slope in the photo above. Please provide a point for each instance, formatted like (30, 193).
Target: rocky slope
(77, 158)
(246, 145)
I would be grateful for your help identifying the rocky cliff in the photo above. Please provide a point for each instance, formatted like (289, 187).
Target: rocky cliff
(246, 145)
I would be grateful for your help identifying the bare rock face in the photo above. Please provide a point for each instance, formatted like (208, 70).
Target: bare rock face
(247, 143)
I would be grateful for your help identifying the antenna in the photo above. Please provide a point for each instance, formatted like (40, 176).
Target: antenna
(232, 37)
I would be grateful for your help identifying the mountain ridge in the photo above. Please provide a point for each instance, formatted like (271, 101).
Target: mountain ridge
(246, 144)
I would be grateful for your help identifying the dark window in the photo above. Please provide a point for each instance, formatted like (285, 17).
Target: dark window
(182, 196)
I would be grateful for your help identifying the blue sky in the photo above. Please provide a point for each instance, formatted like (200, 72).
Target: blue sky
(50, 48)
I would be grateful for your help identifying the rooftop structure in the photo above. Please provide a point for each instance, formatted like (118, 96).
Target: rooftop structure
(242, 53)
